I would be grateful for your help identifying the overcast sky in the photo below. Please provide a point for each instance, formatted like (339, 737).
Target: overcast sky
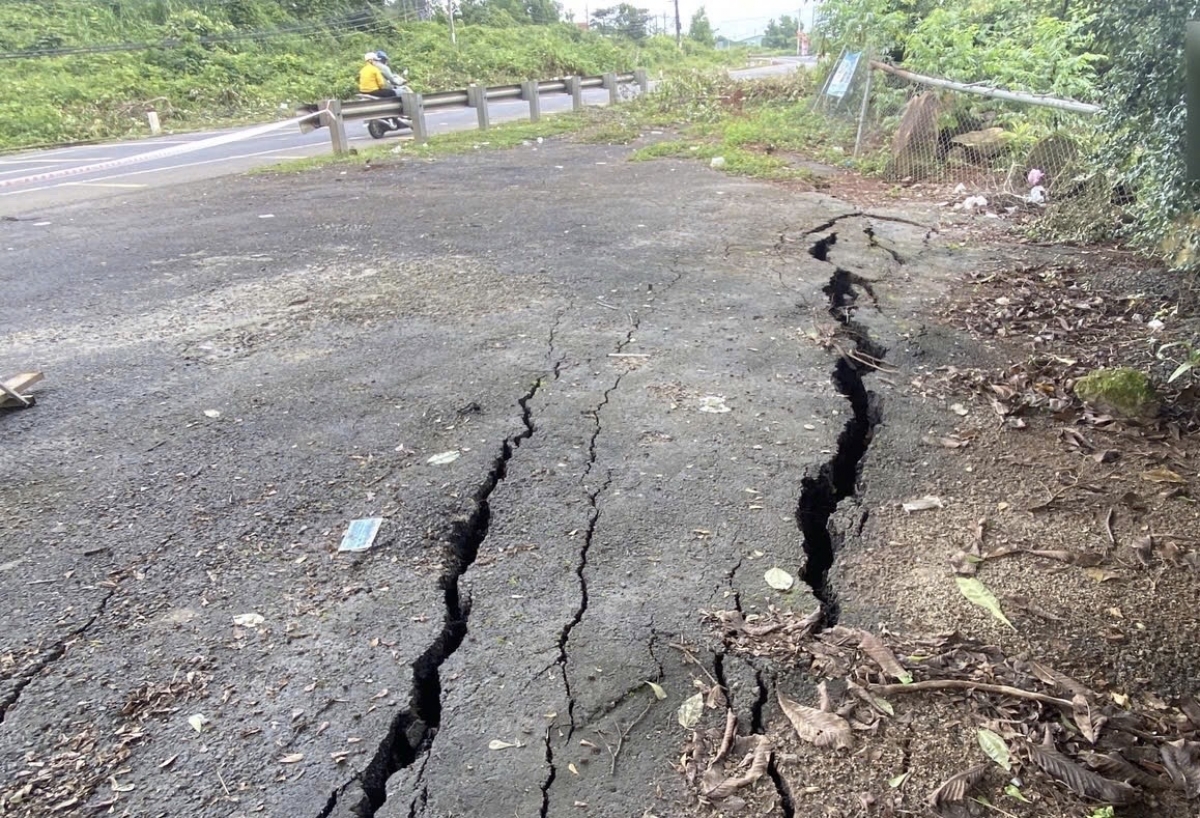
(733, 18)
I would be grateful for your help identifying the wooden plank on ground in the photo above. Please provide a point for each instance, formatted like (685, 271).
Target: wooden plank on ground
(11, 389)
(18, 383)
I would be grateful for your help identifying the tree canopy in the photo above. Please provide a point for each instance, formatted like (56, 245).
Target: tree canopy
(701, 29)
(781, 33)
(623, 20)
(508, 12)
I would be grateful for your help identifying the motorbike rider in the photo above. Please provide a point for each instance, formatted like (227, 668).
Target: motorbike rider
(385, 68)
(371, 79)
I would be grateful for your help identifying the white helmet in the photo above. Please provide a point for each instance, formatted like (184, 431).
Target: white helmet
(370, 56)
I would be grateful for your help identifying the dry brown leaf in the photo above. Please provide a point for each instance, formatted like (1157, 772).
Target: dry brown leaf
(1089, 725)
(1182, 760)
(1191, 709)
(816, 726)
(1080, 781)
(1054, 554)
(1162, 475)
(1002, 551)
(291, 758)
(956, 787)
(1116, 766)
(873, 646)
(758, 767)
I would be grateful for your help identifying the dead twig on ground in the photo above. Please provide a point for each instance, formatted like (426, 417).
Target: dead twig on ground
(966, 684)
(689, 656)
(621, 736)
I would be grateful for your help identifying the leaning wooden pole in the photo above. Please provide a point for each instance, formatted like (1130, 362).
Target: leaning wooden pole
(994, 93)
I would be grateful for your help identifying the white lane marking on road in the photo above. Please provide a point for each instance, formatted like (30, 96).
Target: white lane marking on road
(99, 184)
(185, 147)
(40, 160)
(156, 170)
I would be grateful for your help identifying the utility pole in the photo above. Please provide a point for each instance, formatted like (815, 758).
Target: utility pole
(678, 26)
(450, 10)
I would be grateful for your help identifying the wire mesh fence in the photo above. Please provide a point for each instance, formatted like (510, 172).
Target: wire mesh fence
(990, 149)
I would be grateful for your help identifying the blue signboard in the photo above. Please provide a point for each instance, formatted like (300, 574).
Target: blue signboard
(840, 84)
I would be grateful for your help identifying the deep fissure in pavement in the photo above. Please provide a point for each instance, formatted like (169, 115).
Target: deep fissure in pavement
(786, 804)
(549, 782)
(836, 479)
(412, 730)
(53, 655)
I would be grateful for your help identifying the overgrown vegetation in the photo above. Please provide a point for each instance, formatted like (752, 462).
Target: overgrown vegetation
(76, 70)
(760, 129)
(1127, 55)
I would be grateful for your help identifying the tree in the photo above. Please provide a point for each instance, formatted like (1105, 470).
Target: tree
(500, 12)
(781, 34)
(623, 20)
(701, 30)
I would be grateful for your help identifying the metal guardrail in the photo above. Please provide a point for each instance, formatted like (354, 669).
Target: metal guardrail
(334, 113)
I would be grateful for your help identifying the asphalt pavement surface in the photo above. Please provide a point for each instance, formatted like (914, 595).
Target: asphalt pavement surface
(590, 408)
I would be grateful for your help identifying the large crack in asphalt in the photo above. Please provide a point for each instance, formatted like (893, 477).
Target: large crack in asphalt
(413, 729)
(836, 479)
(593, 497)
(56, 652)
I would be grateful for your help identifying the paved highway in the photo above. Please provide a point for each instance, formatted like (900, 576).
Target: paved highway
(34, 181)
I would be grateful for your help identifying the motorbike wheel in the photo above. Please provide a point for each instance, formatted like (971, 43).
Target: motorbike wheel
(377, 129)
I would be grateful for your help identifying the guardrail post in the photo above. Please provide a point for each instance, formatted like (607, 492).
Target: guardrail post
(414, 108)
(529, 90)
(337, 126)
(610, 82)
(477, 99)
(642, 78)
(575, 89)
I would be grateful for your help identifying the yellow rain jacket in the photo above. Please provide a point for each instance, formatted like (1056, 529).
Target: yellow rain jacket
(370, 79)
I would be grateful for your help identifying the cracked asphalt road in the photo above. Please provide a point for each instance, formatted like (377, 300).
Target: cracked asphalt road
(633, 361)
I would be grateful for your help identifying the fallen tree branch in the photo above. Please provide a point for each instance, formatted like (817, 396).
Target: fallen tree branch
(964, 684)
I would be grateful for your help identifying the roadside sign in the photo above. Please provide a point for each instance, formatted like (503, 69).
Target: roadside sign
(840, 83)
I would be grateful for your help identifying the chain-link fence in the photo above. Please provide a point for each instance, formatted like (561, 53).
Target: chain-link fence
(989, 148)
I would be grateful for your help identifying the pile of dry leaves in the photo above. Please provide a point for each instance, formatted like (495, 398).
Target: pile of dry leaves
(1066, 329)
(1034, 723)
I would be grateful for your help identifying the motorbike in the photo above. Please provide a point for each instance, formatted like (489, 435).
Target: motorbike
(379, 128)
